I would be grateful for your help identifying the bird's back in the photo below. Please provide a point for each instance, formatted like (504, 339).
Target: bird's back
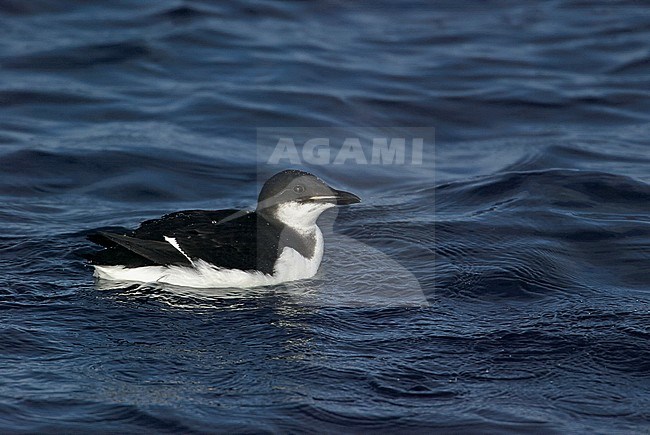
(229, 239)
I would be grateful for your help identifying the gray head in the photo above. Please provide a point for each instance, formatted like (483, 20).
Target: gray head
(297, 198)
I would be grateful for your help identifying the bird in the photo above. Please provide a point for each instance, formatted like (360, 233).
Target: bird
(279, 241)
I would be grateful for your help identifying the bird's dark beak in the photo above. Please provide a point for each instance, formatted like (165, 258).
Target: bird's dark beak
(338, 197)
(345, 198)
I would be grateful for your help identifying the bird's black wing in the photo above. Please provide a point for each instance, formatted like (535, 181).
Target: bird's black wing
(125, 250)
(225, 238)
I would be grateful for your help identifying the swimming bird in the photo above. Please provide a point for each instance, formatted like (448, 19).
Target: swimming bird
(278, 242)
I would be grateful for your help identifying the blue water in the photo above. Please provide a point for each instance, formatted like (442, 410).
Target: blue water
(517, 298)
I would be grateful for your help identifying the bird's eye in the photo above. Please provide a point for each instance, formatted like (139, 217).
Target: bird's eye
(299, 188)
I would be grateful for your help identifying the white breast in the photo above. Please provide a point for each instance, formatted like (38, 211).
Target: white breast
(292, 266)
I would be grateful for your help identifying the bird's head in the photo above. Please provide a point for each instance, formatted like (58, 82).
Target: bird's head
(297, 198)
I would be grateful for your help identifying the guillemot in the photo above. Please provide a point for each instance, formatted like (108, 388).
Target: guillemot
(280, 241)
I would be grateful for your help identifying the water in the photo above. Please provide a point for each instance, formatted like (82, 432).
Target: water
(518, 299)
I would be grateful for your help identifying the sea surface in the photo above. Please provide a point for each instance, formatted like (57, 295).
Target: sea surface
(500, 285)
